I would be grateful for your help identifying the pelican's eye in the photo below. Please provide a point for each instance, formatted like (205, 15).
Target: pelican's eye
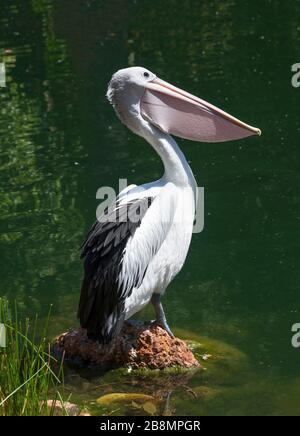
(146, 74)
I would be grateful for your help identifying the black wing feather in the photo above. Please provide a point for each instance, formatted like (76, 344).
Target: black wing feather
(102, 300)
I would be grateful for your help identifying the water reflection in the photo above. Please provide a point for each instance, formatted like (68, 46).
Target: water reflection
(40, 143)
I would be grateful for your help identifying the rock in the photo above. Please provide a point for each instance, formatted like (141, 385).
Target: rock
(58, 409)
(223, 362)
(124, 397)
(139, 345)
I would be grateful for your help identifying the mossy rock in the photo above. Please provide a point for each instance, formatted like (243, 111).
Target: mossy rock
(223, 361)
(120, 403)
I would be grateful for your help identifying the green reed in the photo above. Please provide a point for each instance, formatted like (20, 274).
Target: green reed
(27, 378)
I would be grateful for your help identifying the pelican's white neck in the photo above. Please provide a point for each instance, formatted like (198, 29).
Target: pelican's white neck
(177, 169)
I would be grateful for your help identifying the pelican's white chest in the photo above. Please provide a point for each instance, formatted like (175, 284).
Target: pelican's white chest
(171, 256)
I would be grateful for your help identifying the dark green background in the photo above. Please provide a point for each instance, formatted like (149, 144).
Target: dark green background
(61, 141)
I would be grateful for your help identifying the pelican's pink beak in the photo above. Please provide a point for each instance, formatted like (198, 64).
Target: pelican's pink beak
(182, 114)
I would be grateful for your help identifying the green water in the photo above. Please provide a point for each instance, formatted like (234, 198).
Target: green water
(61, 141)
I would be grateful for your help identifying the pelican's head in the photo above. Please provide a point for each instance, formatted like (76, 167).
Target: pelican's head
(125, 92)
(139, 96)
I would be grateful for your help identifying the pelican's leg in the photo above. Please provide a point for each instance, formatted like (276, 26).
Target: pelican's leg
(133, 322)
(160, 314)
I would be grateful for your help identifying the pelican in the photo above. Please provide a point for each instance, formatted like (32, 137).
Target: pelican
(137, 247)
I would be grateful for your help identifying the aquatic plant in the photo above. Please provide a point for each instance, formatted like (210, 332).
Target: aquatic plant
(27, 378)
